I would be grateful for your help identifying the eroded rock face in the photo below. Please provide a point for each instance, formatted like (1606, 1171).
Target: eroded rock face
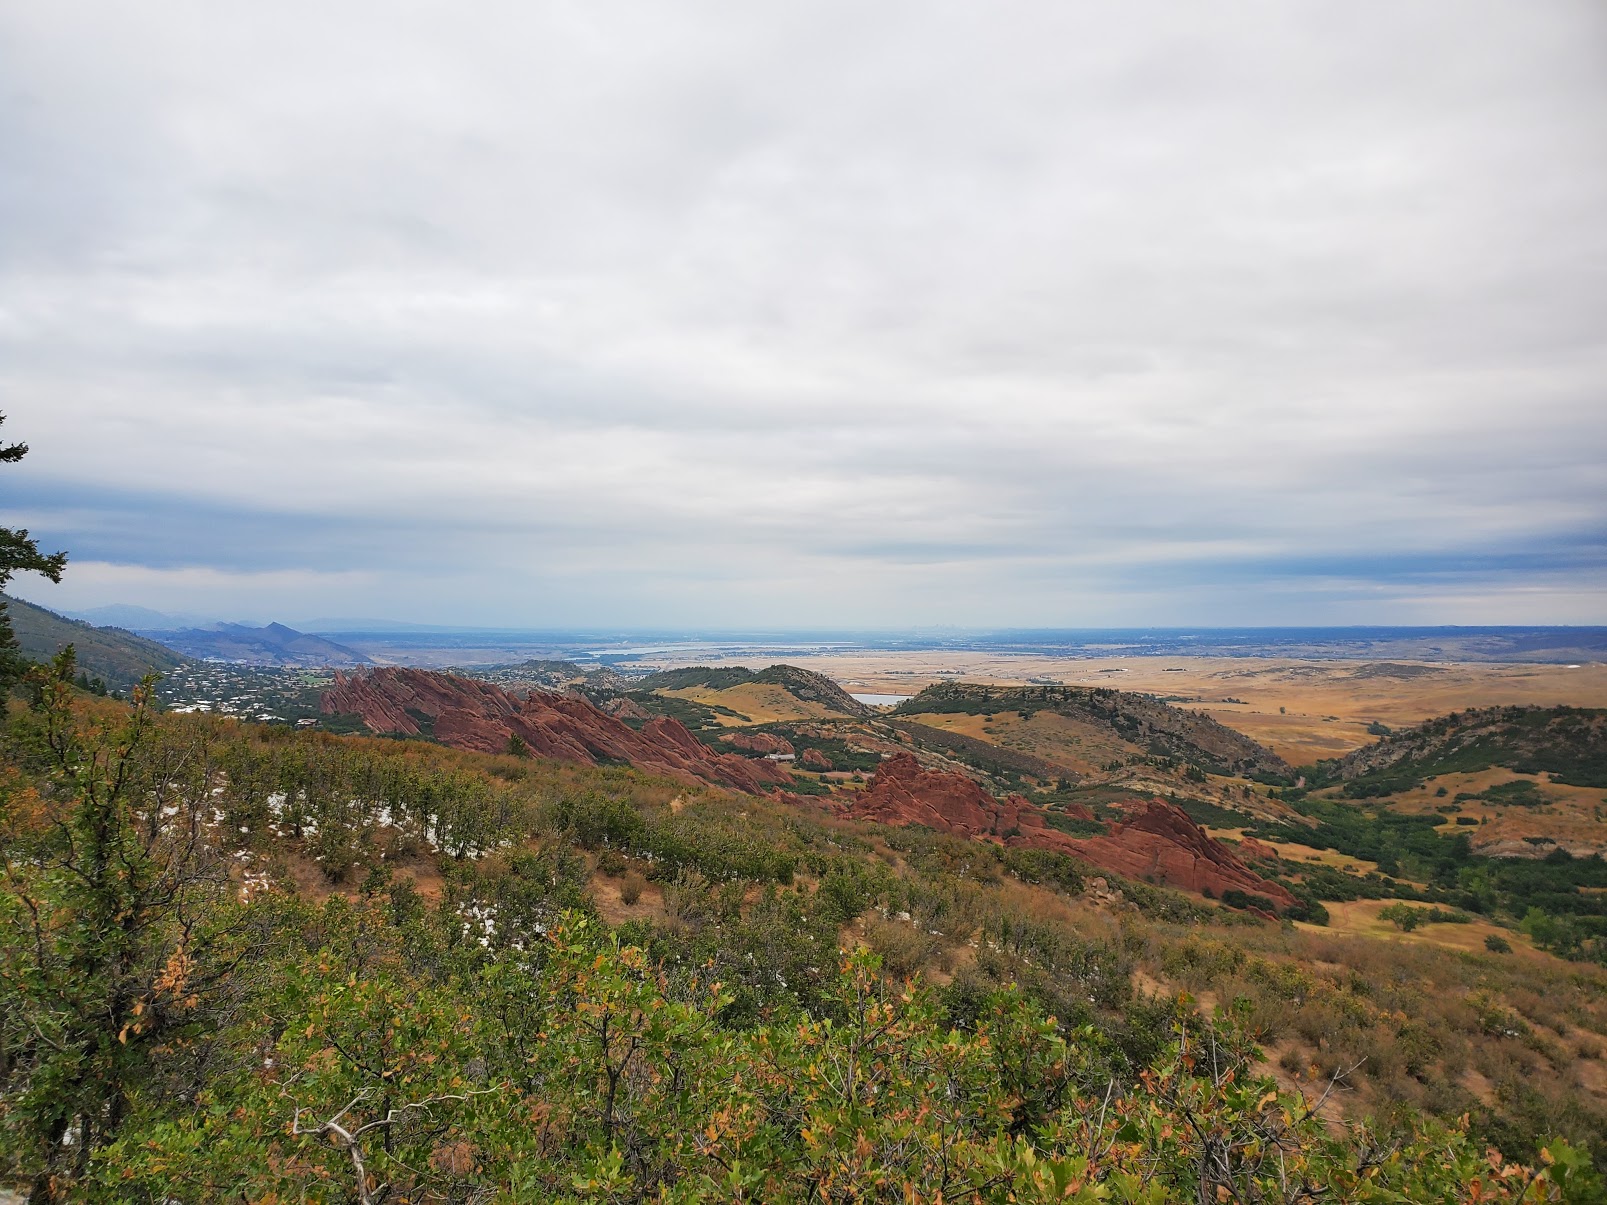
(758, 742)
(622, 708)
(1251, 850)
(901, 792)
(1160, 844)
(467, 714)
(814, 759)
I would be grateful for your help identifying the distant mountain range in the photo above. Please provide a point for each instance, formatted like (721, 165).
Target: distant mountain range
(145, 619)
(396, 642)
(139, 619)
(274, 644)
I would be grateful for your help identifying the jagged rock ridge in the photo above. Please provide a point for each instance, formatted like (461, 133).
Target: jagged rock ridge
(469, 714)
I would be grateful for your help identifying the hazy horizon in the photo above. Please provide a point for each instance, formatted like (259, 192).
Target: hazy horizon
(810, 315)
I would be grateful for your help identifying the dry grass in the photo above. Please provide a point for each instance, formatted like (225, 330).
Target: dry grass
(761, 702)
(605, 895)
(1293, 851)
(1360, 918)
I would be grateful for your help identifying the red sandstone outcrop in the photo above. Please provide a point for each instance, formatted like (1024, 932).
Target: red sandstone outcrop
(1160, 844)
(1164, 846)
(1251, 850)
(814, 759)
(475, 715)
(622, 708)
(758, 742)
(901, 792)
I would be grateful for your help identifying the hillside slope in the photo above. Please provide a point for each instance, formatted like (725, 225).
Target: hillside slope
(802, 684)
(1138, 719)
(1569, 743)
(117, 657)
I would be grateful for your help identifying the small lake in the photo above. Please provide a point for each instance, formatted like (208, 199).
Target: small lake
(881, 700)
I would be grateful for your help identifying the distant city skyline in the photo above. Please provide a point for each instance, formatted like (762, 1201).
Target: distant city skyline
(810, 316)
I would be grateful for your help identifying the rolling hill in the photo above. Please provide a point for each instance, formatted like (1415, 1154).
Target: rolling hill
(1568, 743)
(802, 685)
(1138, 720)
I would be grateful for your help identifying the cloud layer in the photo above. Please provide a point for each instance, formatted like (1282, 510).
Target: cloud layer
(811, 314)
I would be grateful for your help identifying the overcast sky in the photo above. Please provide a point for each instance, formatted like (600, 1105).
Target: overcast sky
(815, 314)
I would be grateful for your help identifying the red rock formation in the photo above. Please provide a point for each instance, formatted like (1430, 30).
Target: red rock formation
(1252, 850)
(1164, 846)
(622, 708)
(901, 792)
(475, 715)
(1160, 844)
(814, 759)
(758, 742)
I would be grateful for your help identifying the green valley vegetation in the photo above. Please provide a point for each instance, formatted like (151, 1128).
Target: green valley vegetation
(245, 962)
(1561, 900)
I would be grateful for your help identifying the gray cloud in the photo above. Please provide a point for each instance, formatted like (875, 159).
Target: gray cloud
(818, 314)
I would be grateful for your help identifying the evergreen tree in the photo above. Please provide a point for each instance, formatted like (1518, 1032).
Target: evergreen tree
(18, 554)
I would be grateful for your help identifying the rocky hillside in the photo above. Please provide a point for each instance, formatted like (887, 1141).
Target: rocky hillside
(118, 658)
(1160, 844)
(802, 684)
(1140, 719)
(1569, 743)
(468, 714)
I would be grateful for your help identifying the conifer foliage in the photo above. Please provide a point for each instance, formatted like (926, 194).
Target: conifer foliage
(19, 553)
